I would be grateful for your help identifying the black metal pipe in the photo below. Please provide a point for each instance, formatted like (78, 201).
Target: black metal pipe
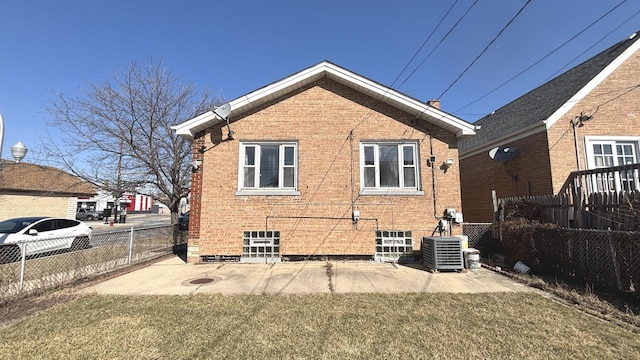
(266, 222)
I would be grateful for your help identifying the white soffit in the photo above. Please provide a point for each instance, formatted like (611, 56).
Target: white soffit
(189, 128)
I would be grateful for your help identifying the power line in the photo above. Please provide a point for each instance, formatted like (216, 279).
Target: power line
(423, 44)
(439, 43)
(615, 97)
(410, 61)
(591, 47)
(485, 49)
(541, 59)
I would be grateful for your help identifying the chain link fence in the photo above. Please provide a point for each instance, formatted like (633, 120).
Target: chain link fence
(22, 271)
(608, 260)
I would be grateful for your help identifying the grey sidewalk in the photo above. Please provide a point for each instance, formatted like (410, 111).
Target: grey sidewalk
(174, 277)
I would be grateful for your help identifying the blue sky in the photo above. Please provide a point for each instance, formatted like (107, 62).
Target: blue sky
(235, 47)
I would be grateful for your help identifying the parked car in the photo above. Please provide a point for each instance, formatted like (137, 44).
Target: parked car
(36, 235)
(88, 214)
(183, 221)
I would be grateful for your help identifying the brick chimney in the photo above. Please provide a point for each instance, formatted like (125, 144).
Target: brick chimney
(435, 103)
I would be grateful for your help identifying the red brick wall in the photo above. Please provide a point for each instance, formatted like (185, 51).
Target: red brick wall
(615, 109)
(196, 197)
(480, 174)
(328, 120)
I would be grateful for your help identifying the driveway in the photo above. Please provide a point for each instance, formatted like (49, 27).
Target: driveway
(175, 277)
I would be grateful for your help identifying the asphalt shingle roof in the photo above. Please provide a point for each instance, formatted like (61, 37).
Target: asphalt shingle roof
(541, 102)
(40, 179)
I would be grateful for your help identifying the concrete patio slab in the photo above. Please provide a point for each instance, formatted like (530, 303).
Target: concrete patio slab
(174, 277)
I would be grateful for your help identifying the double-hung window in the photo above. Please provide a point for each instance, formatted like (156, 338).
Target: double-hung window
(605, 152)
(389, 167)
(268, 168)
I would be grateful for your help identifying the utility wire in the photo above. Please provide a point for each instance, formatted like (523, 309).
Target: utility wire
(485, 49)
(590, 112)
(424, 43)
(439, 43)
(591, 47)
(614, 98)
(541, 59)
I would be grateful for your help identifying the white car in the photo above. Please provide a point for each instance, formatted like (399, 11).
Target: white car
(36, 235)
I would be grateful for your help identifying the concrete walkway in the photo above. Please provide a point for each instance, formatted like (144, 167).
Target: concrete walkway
(174, 277)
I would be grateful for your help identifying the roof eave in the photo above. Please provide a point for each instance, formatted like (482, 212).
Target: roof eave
(461, 128)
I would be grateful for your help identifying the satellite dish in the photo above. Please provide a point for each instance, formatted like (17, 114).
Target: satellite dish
(503, 153)
(222, 110)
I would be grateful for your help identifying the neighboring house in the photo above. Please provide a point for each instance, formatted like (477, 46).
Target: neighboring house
(586, 118)
(321, 163)
(38, 190)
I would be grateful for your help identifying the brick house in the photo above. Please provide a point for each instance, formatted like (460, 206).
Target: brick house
(321, 163)
(585, 118)
(38, 190)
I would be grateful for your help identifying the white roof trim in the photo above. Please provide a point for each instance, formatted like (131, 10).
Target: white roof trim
(562, 110)
(189, 128)
(608, 70)
(523, 133)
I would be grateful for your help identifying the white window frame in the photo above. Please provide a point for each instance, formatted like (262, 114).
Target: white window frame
(611, 183)
(401, 189)
(257, 190)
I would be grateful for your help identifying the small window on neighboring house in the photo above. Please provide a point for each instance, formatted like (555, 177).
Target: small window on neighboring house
(603, 152)
(268, 168)
(389, 167)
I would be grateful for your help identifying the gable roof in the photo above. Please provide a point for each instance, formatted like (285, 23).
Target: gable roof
(541, 107)
(41, 180)
(244, 103)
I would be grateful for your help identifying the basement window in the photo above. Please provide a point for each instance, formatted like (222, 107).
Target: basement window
(393, 245)
(261, 244)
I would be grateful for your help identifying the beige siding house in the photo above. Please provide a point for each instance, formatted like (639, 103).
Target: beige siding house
(37, 190)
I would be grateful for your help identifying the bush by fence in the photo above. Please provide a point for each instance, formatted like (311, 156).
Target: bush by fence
(106, 252)
(480, 234)
(608, 260)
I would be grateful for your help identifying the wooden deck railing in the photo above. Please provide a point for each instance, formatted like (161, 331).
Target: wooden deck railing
(603, 198)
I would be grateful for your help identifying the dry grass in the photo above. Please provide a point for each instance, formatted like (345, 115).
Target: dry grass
(365, 326)
(617, 307)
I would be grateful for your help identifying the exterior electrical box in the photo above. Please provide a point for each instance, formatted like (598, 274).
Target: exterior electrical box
(442, 253)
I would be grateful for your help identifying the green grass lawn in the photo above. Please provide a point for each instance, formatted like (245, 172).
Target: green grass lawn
(352, 326)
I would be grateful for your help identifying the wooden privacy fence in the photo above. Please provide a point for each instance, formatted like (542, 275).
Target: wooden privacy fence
(604, 211)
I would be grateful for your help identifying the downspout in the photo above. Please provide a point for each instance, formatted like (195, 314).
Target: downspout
(433, 176)
(575, 143)
(433, 185)
(355, 223)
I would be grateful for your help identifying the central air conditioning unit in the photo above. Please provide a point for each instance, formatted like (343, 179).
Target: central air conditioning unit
(442, 253)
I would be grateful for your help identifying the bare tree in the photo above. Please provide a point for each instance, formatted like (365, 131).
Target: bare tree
(117, 134)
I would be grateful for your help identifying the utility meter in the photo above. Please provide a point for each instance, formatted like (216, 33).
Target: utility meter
(355, 216)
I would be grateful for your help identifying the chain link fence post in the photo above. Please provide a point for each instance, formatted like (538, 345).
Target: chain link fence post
(23, 260)
(130, 247)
